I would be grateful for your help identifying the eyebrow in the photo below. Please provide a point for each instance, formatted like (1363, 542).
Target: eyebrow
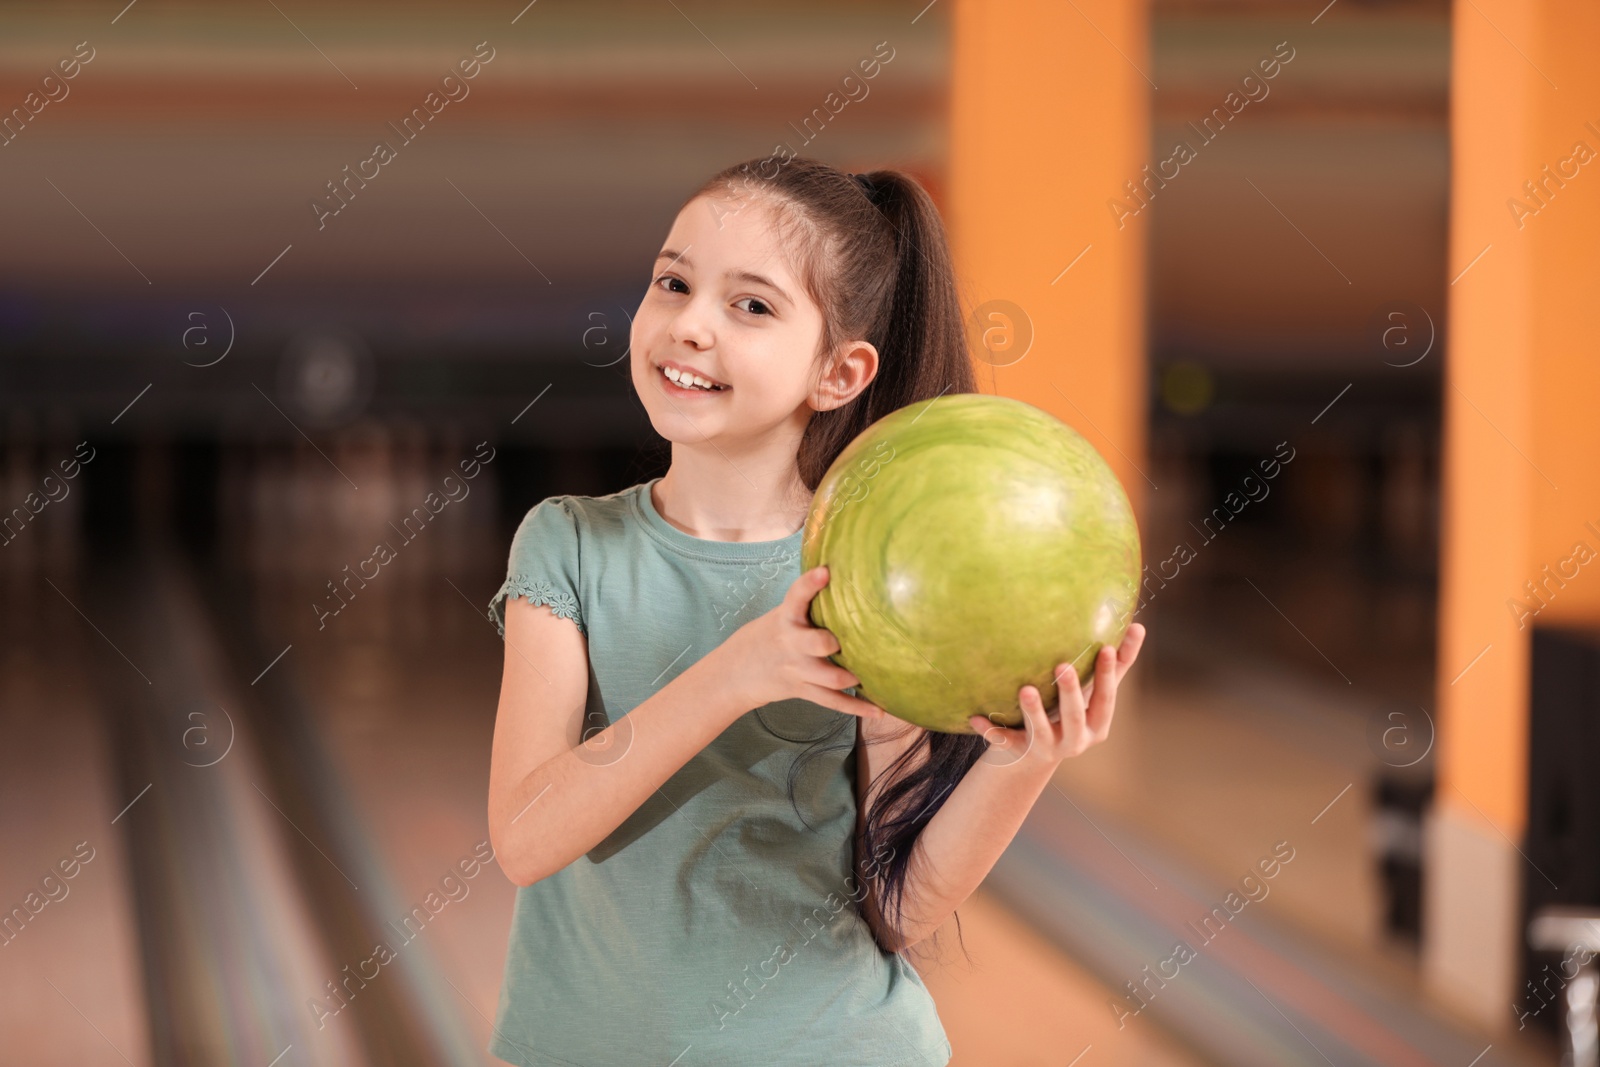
(736, 275)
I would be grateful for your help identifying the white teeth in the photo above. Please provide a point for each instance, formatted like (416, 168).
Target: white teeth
(686, 380)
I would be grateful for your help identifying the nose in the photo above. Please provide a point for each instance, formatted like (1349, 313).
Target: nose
(691, 325)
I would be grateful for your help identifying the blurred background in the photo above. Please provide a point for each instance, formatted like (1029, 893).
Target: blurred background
(1312, 276)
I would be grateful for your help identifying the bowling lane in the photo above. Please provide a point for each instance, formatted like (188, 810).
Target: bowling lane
(71, 988)
(399, 674)
(407, 723)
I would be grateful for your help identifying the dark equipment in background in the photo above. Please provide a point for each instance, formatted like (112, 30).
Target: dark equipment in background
(1562, 840)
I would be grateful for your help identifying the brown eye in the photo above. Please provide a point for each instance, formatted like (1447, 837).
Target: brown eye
(764, 310)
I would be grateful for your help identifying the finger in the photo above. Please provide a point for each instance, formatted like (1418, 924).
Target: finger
(798, 599)
(1072, 700)
(1097, 718)
(843, 702)
(993, 719)
(834, 677)
(1035, 719)
(1128, 651)
(820, 643)
(824, 671)
(997, 734)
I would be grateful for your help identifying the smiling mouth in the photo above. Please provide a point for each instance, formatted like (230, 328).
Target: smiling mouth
(685, 381)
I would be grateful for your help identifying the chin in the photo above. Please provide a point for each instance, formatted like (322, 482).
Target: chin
(668, 423)
(680, 434)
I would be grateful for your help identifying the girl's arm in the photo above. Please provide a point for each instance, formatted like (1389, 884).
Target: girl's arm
(552, 799)
(966, 836)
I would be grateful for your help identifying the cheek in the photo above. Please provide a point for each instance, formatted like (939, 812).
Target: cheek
(638, 341)
(646, 328)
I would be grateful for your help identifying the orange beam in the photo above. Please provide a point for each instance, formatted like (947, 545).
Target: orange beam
(1049, 118)
(1565, 233)
(1521, 484)
(1487, 490)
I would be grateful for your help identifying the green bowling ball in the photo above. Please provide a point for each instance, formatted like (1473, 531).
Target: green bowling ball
(972, 543)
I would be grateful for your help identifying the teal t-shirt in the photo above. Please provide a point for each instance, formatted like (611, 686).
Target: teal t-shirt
(715, 927)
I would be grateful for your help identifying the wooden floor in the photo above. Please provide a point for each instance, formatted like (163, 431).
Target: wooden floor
(1022, 1003)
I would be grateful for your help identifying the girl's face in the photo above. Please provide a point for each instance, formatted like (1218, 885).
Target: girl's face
(725, 305)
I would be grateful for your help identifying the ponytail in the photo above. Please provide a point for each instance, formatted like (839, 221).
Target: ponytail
(922, 348)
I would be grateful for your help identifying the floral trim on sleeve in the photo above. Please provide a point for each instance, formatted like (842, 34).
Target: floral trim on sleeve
(539, 591)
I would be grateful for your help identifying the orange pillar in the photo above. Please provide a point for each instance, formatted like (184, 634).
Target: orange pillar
(1049, 118)
(1520, 451)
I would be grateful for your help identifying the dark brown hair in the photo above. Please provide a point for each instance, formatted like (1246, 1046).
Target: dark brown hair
(872, 254)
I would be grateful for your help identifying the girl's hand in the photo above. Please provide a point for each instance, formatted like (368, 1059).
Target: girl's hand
(781, 655)
(1079, 721)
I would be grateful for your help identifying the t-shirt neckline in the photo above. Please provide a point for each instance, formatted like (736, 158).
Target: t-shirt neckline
(700, 547)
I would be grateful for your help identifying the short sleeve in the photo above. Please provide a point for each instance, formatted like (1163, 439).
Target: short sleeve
(543, 564)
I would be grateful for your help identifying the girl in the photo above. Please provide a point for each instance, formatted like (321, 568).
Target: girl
(717, 867)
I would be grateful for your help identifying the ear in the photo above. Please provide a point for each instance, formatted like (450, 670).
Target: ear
(854, 365)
